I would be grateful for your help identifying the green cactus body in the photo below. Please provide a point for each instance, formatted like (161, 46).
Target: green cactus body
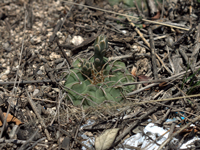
(100, 47)
(86, 68)
(92, 82)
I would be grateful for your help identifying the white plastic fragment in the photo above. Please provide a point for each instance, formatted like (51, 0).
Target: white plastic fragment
(188, 144)
(153, 131)
(89, 122)
(89, 141)
(124, 31)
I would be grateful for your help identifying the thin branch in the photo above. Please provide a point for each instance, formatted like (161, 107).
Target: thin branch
(153, 57)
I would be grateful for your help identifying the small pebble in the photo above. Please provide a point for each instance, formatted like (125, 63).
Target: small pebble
(40, 72)
(36, 91)
(170, 41)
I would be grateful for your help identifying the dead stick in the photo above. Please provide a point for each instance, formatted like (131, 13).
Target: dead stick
(63, 53)
(38, 115)
(168, 70)
(2, 118)
(142, 89)
(152, 7)
(195, 52)
(138, 32)
(153, 57)
(27, 82)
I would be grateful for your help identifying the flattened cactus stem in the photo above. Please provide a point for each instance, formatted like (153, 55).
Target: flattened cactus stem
(100, 47)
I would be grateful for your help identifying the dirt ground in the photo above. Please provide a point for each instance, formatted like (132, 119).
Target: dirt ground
(41, 39)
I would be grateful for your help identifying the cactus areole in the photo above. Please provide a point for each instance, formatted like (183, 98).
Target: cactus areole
(94, 81)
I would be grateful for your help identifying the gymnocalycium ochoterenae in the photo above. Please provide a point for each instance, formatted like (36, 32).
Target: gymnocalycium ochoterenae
(93, 81)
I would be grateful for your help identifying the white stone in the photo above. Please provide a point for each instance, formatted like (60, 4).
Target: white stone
(77, 40)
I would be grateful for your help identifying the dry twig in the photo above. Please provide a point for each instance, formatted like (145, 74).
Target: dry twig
(38, 115)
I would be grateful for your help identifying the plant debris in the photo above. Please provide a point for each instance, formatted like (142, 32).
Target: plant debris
(156, 41)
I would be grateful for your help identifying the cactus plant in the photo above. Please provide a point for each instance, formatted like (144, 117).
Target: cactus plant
(100, 47)
(93, 81)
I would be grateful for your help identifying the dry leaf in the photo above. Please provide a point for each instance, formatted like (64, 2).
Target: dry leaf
(134, 71)
(11, 118)
(144, 25)
(144, 78)
(157, 16)
(105, 140)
